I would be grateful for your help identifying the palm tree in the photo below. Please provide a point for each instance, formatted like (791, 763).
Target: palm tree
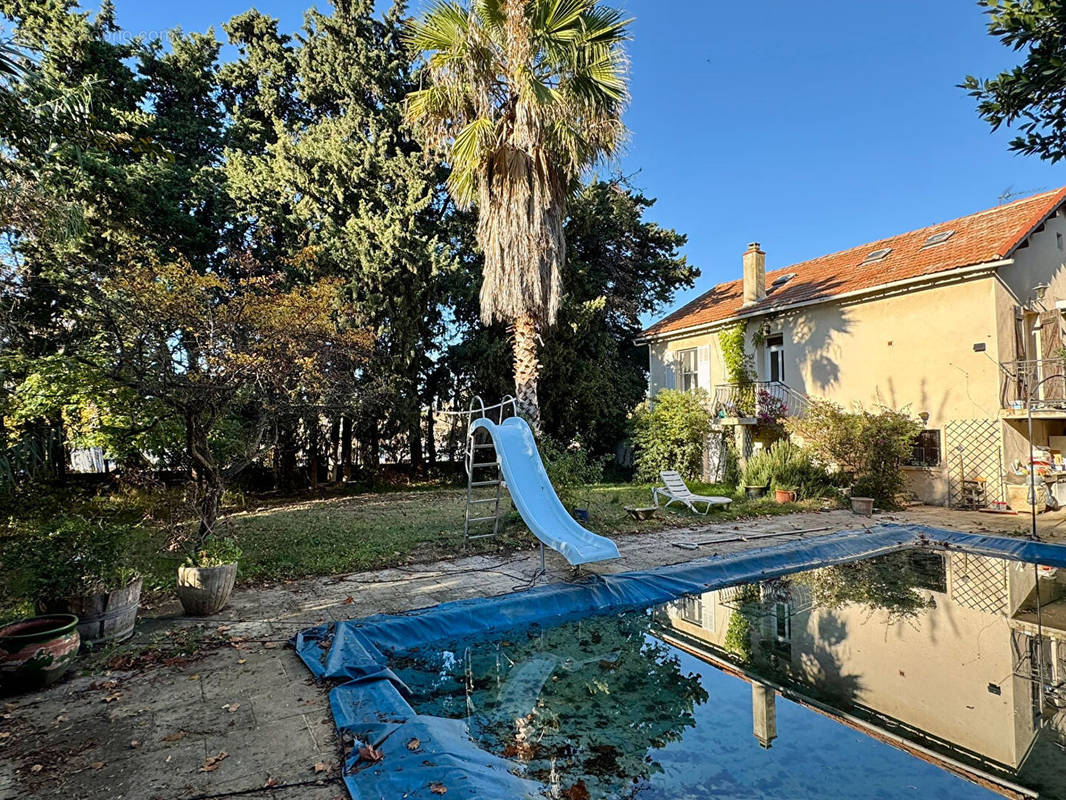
(520, 98)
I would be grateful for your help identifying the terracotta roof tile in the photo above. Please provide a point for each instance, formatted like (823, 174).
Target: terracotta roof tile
(979, 238)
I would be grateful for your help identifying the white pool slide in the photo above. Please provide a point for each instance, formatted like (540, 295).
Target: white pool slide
(534, 497)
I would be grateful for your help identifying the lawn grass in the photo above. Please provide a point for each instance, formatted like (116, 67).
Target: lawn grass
(341, 532)
(371, 531)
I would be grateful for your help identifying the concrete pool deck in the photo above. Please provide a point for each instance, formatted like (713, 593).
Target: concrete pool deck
(239, 715)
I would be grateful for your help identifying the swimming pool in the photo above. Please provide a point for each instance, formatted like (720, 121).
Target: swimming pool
(925, 672)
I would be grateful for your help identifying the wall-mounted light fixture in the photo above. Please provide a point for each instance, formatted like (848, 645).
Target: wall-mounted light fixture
(923, 415)
(1039, 293)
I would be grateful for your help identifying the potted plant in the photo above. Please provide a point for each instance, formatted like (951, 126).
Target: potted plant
(756, 492)
(38, 651)
(206, 579)
(80, 566)
(785, 493)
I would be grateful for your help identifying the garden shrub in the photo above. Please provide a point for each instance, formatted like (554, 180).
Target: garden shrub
(67, 556)
(570, 468)
(671, 433)
(785, 465)
(868, 448)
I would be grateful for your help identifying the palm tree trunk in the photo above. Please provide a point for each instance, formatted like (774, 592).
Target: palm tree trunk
(526, 370)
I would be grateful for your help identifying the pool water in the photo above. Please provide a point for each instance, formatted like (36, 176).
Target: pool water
(916, 674)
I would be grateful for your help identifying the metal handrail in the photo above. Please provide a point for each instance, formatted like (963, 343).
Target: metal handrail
(743, 399)
(1022, 381)
(483, 409)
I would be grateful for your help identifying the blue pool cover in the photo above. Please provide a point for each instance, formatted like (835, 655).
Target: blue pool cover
(423, 753)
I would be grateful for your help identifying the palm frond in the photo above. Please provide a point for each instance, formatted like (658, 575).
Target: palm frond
(11, 60)
(490, 13)
(444, 27)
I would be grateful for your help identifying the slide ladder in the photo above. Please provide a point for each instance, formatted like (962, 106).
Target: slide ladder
(484, 480)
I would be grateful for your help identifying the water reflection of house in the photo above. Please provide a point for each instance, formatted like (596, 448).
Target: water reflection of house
(960, 683)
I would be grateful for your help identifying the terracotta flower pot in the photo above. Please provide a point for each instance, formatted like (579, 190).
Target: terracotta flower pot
(105, 617)
(204, 591)
(38, 651)
(864, 506)
(785, 495)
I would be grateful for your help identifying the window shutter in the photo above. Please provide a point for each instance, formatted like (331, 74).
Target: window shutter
(670, 374)
(703, 367)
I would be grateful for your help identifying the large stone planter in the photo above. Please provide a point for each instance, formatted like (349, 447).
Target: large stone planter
(863, 506)
(103, 618)
(38, 651)
(204, 591)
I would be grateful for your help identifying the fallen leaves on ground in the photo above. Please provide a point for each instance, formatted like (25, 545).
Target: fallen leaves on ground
(368, 753)
(98, 764)
(231, 707)
(111, 698)
(349, 600)
(320, 767)
(36, 768)
(438, 788)
(270, 783)
(213, 762)
(175, 737)
(414, 744)
(134, 744)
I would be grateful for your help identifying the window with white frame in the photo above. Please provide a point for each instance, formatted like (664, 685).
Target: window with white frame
(690, 609)
(688, 370)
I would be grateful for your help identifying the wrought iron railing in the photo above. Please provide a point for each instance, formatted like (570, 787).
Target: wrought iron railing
(1041, 382)
(766, 401)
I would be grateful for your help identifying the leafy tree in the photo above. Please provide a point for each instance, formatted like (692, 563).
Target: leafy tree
(328, 178)
(671, 433)
(867, 447)
(212, 352)
(74, 125)
(522, 98)
(1032, 95)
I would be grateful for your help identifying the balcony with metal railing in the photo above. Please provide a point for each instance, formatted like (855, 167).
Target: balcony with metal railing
(1039, 382)
(758, 401)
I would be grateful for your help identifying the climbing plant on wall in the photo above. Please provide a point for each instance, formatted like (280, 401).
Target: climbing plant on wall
(738, 365)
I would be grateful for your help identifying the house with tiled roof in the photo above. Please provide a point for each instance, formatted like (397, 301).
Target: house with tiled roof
(959, 322)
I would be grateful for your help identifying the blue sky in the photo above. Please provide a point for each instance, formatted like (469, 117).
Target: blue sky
(809, 127)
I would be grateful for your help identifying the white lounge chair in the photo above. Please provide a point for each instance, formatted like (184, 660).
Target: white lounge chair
(677, 492)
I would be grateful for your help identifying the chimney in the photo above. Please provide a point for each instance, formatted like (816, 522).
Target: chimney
(754, 274)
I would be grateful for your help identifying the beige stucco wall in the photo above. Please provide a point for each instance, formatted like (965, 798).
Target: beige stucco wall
(911, 351)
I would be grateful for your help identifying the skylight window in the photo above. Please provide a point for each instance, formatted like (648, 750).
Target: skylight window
(876, 255)
(938, 238)
(781, 280)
